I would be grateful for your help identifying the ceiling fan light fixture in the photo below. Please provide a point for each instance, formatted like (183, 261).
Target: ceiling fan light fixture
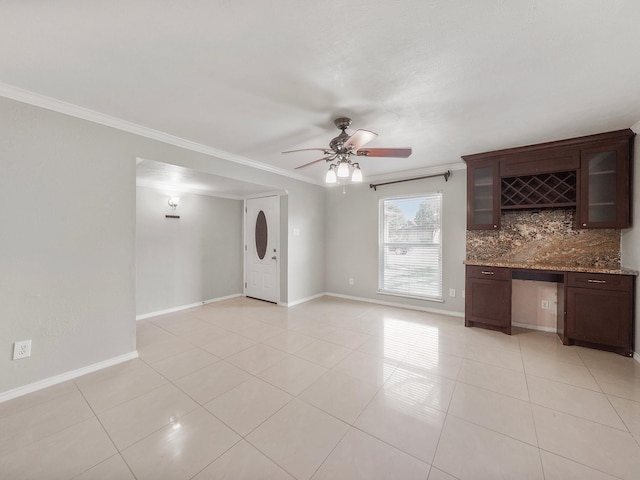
(357, 173)
(343, 169)
(331, 175)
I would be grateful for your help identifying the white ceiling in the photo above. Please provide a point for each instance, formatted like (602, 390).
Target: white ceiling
(254, 78)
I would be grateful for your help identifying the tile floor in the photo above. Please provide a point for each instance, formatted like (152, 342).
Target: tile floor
(332, 389)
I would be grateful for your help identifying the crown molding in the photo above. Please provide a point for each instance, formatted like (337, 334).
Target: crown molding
(49, 103)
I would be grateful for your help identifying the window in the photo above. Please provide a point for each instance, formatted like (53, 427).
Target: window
(410, 248)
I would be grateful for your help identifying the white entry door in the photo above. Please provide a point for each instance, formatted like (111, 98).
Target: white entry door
(262, 230)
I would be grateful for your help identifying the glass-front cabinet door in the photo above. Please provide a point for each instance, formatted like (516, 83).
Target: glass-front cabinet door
(604, 178)
(483, 195)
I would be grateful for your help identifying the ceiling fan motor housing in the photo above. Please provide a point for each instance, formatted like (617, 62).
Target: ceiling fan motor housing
(336, 143)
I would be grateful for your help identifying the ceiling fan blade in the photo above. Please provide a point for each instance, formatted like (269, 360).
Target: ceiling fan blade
(326, 152)
(384, 152)
(325, 159)
(358, 139)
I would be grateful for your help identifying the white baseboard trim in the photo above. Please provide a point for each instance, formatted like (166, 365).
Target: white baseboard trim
(302, 300)
(63, 377)
(399, 305)
(636, 356)
(185, 307)
(540, 328)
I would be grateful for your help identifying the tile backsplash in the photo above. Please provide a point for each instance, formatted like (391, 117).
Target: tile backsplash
(545, 237)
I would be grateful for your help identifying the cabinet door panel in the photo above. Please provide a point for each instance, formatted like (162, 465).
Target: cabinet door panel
(599, 316)
(483, 195)
(488, 302)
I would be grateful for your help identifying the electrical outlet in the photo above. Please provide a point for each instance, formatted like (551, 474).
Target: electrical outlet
(22, 349)
(544, 304)
(452, 292)
(351, 281)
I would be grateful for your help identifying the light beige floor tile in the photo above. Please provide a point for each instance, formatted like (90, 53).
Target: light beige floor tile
(243, 462)
(248, 405)
(385, 348)
(347, 338)
(368, 368)
(42, 420)
(577, 401)
(25, 402)
(260, 332)
(156, 351)
(313, 329)
(472, 452)
(212, 381)
(404, 423)
(113, 468)
(110, 372)
(497, 379)
(184, 363)
(421, 389)
(257, 358)
(575, 375)
(323, 353)
(147, 333)
(293, 374)
(503, 414)
(437, 474)
(205, 336)
(182, 326)
(115, 389)
(298, 437)
(601, 360)
(506, 358)
(340, 395)
(133, 420)
(628, 388)
(432, 362)
(592, 444)
(228, 345)
(361, 456)
(559, 468)
(289, 342)
(629, 412)
(181, 450)
(60, 456)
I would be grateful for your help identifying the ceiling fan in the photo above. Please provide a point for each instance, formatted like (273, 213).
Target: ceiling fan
(344, 146)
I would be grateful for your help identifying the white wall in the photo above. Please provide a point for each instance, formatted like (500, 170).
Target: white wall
(183, 261)
(67, 237)
(630, 244)
(352, 239)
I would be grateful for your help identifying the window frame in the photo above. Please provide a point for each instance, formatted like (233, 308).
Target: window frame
(382, 244)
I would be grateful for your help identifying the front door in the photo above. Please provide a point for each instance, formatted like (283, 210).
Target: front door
(262, 227)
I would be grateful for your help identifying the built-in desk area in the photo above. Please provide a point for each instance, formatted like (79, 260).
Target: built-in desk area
(595, 305)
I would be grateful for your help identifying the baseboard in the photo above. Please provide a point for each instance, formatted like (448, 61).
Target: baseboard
(636, 356)
(539, 328)
(185, 307)
(63, 377)
(302, 300)
(399, 305)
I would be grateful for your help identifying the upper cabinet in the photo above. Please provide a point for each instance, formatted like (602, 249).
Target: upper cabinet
(591, 174)
(483, 195)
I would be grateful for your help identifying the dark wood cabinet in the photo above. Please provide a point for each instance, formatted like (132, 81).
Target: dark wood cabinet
(488, 298)
(599, 311)
(483, 195)
(591, 174)
(604, 186)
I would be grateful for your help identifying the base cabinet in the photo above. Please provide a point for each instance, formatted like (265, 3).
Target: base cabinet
(600, 311)
(488, 298)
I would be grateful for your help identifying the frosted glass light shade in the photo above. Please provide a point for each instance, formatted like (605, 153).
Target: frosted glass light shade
(331, 176)
(357, 175)
(343, 170)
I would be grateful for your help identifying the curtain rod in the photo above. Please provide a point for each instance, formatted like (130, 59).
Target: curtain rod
(446, 176)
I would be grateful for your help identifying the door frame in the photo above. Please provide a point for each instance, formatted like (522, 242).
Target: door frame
(278, 217)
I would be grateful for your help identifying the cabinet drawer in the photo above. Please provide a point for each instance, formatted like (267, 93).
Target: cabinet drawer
(599, 281)
(489, 273)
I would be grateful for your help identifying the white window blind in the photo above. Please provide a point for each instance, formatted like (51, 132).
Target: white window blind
(410, 262)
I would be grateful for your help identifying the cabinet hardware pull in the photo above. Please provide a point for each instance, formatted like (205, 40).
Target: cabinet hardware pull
(596, 281)
(484, 272)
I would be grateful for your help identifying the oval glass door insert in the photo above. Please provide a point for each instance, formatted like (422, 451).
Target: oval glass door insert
(262, 235)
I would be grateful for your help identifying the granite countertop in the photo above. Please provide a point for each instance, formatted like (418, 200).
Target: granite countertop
(557, 268)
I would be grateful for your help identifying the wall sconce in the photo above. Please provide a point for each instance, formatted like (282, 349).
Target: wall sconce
(173, 202)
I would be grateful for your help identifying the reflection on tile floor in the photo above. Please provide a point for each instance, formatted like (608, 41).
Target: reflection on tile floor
(333, 389)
